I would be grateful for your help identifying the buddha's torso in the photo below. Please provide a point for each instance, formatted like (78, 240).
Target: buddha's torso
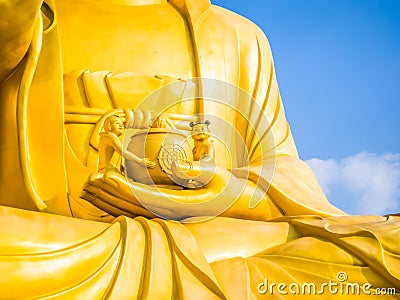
(103, 35)
(106, 38)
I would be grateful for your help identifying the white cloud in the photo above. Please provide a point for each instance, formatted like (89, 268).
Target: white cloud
(365, 183)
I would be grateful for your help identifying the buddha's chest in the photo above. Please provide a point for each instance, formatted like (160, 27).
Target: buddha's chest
(146, 39)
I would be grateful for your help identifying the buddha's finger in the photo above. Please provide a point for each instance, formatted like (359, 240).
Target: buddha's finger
(201, 171)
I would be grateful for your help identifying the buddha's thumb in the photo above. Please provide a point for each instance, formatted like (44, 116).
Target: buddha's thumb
(201, 171)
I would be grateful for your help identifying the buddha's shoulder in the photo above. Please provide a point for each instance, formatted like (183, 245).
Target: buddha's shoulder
(233, 21)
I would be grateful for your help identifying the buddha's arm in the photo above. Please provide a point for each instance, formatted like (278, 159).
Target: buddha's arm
(293, 186)
(16, 29)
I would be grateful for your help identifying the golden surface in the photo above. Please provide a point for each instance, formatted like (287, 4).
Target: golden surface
(259, 213)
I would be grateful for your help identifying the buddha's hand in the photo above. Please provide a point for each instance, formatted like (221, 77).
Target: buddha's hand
(219, 193)
(199, 172)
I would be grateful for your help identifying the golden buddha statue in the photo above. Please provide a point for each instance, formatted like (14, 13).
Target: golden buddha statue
(255, 223)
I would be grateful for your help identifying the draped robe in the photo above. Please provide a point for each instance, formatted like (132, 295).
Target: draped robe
(55, 256)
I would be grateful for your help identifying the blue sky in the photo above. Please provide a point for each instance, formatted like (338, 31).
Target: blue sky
(338, 69)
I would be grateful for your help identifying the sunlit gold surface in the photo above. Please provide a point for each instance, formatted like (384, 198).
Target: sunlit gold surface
(151, 143)
(65, 65)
